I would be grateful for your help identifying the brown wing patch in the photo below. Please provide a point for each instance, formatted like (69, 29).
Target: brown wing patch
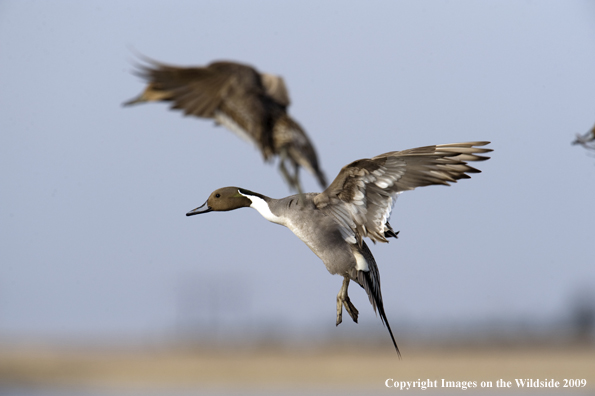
(196, 91)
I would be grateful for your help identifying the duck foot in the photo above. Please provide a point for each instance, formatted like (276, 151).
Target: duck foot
(343, 300)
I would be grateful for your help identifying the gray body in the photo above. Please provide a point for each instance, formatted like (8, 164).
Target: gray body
(319, 231)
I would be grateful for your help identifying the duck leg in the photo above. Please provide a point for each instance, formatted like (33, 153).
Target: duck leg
(343, 299)
(296, 178)
(291, 180)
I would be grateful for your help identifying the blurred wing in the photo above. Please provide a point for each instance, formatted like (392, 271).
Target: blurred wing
(196, 91)
(362, 195)
(586, 140)
(229, 92)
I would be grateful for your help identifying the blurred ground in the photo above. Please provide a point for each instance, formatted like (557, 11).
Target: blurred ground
(271, 368)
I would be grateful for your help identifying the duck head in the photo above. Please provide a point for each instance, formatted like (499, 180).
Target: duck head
(222, 200)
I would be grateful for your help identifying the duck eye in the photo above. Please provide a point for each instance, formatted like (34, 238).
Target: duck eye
(217, 195)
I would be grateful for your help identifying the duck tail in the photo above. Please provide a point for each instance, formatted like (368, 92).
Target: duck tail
(370, 281)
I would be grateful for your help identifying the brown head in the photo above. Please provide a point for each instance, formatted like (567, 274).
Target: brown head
(222, 200)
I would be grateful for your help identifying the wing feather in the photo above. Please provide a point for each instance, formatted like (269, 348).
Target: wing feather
(234, 89)
(362, 196)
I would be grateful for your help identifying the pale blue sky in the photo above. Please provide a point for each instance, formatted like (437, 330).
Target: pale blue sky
(94, 240)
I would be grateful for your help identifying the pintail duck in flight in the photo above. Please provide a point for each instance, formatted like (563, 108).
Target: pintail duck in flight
(253, 105)
(587, 140)
(357, 204)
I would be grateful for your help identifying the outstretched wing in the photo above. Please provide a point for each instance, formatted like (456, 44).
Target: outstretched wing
(362, 195)
(232, 93)
(196, 91)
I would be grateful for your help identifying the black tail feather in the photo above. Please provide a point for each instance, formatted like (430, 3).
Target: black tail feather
(370, 281)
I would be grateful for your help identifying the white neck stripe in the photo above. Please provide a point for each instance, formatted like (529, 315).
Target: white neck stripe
(263, 208)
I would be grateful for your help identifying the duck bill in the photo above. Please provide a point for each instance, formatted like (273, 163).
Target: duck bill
(199, 210)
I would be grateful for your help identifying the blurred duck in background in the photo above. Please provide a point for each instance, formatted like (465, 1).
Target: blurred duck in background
(587, 140)
(253, 105)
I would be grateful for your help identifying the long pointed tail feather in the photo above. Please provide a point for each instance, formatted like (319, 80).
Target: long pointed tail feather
(370, 281)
